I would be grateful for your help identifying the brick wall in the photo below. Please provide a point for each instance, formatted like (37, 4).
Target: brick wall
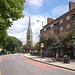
(49, 20)
(71, 5)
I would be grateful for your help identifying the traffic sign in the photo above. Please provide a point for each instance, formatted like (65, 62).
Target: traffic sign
(42, 44)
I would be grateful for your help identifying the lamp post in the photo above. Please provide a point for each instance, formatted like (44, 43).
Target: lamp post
(42, 44)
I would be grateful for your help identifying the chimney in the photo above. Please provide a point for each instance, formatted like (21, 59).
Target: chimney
(71, 5)
(49, 20)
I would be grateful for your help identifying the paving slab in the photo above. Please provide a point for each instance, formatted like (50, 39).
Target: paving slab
(70, 66)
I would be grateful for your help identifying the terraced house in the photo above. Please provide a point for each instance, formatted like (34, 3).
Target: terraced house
(64, 23)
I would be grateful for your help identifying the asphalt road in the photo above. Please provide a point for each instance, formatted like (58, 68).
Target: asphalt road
(16, 64)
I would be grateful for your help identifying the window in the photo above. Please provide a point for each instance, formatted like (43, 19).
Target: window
(55, 25)
(73, 16)
(61, 28)
(68, 26)
(61, 21)
(68, 17)
(48, 29)
(52, 26)
(44, 29)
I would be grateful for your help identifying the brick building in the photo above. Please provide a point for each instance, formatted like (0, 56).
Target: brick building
(64, 23)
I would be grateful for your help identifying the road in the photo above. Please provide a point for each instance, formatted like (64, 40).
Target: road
(16, 64)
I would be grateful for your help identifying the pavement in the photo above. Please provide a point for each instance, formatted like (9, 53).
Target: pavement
(49, 61)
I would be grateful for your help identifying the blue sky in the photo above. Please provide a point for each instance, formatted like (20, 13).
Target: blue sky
(38, 10)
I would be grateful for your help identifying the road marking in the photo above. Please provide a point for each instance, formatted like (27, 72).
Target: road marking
(40, 65)
(6, 57)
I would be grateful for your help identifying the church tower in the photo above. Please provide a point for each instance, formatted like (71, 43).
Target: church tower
(29, 32)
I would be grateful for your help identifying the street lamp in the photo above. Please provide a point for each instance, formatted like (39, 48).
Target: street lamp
(42, 44)
(42, 27)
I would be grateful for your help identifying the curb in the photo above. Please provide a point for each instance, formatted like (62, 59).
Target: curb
(50, 64)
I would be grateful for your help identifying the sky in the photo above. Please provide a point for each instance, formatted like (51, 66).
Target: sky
(37, 10)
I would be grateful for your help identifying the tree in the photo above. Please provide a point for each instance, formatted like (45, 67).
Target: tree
(64, 38)
(12, 44)
(17, 45)
(10, 10)
(29, 43)
(3, 34)
(50, 41)
(37, 46)
(23, 45)
(28, 49)
(72, 41)
(9, 43)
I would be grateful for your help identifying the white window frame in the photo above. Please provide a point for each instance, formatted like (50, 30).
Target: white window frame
(52, 26)
(68, 17)
(44, 29)
(61, 21)
(61, 28)
(68, 26)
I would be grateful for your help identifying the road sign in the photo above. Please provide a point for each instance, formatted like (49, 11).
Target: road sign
(42, 44)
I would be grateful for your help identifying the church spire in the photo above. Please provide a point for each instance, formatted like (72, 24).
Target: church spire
(29, 32)
(29, 25)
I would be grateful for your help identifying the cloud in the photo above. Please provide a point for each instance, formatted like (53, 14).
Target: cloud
(72, 0)
(58, 11)
(21, 36)
(35, 2)
(19, 28)
(37, 26)
(18, 25)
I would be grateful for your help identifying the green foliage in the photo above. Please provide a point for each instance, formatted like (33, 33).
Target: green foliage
(3, 35)
(72, 41)
(23, 46)
(64, 38)
(50, 41)
(10, 10)
(9, 43)
(37, 46)
(29, 43)
(12, 44)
